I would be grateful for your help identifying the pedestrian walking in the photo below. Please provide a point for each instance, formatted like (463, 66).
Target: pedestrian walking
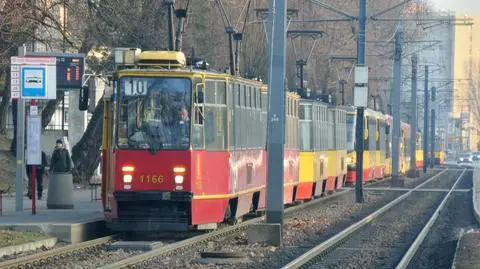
(40, 171)
(60, 162)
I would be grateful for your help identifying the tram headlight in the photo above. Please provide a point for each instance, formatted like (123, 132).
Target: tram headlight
(179, 169)
(178, 179)
(127, 178)
(128, 168)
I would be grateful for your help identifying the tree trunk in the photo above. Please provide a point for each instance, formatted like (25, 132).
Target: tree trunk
(13, 145)
(50, 109)
(4, 103)
(86, 153)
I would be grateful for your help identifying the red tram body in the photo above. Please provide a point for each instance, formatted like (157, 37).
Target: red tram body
(219, 171)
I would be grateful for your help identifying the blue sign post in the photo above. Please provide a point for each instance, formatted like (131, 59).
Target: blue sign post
(33, 83)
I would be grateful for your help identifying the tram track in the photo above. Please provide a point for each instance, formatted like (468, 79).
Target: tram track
(78, 253)
(383, 238)
(87, 252)
(190, 248)
(156, 256)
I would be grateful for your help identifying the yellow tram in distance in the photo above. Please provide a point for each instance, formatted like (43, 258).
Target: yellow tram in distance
(419, 150)
(376, 139)
(439, 151)
(377, 155)
(322, 144)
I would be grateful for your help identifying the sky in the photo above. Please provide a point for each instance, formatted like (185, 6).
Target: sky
(467, 7)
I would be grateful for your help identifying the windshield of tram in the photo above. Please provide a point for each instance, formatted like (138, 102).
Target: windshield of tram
(154, 113)
(350, 133)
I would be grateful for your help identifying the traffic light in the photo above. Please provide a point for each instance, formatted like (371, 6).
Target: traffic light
(83, 100)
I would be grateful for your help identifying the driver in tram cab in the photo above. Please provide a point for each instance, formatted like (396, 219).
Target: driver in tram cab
(182, 125)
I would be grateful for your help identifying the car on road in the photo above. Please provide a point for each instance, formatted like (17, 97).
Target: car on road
(476, 156)
(465, 159)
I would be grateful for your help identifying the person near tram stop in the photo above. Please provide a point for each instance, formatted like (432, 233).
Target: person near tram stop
(39, 172)
(60, 162)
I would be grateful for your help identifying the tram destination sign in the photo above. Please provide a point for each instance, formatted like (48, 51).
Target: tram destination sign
(70, 69)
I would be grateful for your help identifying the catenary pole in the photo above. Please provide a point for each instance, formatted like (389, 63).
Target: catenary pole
(425, 122)
(276, 112)
(432, 130)
(413, 123)
(396, 105)
(359, 136)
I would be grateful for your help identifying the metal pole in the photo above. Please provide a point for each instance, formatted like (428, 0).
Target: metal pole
(181, 15)
(238, 40)
(342, 86)
(300, 68)
(230, 31)
(64, 48)
(20, 171)
(413, 123)
(34, 192)
(276, 113)
(432, 137)
(171, 35)
(63, 112)
(425, 123)
(361, 61)
(33, 174)
(397, 73)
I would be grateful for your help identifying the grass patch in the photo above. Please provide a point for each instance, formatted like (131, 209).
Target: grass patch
(7, 166)
(13, 238)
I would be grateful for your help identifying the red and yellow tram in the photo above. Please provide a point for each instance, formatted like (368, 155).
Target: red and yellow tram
(185, 148)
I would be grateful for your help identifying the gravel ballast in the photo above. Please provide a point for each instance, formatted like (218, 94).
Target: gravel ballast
(438, 249)
(302, 230)
(382, 243)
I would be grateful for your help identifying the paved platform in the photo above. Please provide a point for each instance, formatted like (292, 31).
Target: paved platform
(467, 255)
(83, 222)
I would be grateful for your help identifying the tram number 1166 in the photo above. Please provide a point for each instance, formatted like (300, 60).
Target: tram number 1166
(151, 179)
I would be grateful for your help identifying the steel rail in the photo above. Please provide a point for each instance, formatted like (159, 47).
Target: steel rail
(334, 240)
(38, 258)
(179, 247)
(426, 229)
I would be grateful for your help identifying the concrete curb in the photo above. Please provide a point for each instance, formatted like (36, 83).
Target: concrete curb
(66, 232)
(11, 250)
(462, 233)
(476, 212)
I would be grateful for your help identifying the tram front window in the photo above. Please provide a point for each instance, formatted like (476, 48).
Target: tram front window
(350, 133)
(154, 113)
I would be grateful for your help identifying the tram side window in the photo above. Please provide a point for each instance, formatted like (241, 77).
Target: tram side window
(215, 115)
(237, 116)
(221, 102)
(305, 127)
(388, 137)
(220, 93)
(210, 92)
(230, 113)
(366, 145)
(372, 135)
(197, 132)
(238, 94)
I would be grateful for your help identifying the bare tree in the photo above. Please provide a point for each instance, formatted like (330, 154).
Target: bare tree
(123, 23)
